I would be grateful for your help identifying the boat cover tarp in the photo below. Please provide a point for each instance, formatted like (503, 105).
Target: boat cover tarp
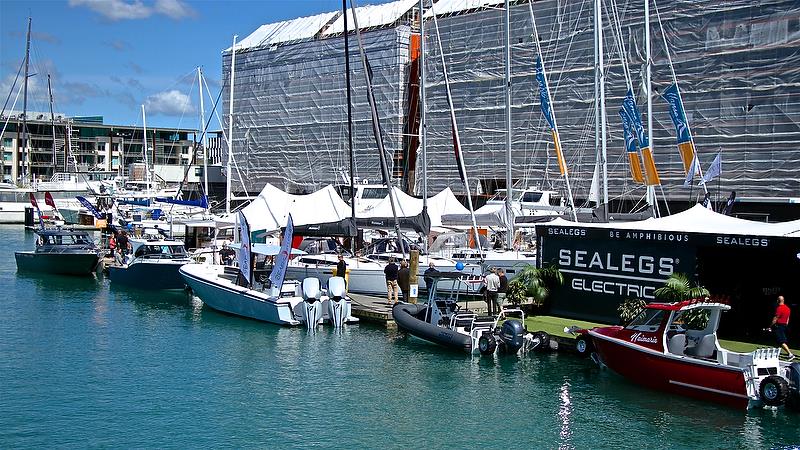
(421, 223)
(490, 215)
(200, 203)
(344, 227)
(698, 219)
(444, 202)
(270, 210)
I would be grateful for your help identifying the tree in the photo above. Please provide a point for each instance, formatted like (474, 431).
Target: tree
(678, 288)
(535, 283)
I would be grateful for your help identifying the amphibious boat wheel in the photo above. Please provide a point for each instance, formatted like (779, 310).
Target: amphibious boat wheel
(541, 341)
(487, 343)
(773, 390)
(583, 345)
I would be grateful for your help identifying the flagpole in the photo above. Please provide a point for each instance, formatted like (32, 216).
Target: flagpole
(556, 136)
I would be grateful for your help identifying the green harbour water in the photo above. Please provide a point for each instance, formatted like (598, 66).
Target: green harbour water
(87, 364)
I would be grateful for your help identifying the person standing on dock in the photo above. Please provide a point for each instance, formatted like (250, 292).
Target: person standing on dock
(391, 272)
(492, 282)
(780, 325)
(123, 245)
(430, 272)
(404, 280)
(341, 269)
(503, 287)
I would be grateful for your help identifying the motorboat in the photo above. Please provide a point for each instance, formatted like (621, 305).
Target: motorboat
(441, 320)
(60, 251)
(455, 246)
(221, 288)
(154, 263)
(674, 347)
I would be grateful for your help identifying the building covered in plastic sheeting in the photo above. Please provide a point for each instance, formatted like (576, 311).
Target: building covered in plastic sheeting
(290, 104)
(738, 67)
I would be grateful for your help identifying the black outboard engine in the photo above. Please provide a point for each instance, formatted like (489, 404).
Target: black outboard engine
(512, 336)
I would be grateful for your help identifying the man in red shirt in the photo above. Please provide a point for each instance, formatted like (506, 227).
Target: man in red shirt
(780, 323)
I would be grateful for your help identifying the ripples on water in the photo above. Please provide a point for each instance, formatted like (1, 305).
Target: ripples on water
(84, 364)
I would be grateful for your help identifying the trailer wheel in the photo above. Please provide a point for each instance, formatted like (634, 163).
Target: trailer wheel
(487, 344)
(583, 345)
(773, 390)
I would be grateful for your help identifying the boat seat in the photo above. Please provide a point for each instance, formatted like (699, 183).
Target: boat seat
(677, 344)
(705, 348)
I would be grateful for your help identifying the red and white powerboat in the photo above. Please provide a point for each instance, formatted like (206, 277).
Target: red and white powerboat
(674, 347)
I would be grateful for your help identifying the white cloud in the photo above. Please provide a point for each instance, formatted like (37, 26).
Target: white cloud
(169, 103)
(116, 9)
(136, 9)
(175, 9)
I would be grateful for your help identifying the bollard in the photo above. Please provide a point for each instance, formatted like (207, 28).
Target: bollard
(414, 278)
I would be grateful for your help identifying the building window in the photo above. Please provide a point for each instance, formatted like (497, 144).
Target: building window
(8, 142)
(198, 171)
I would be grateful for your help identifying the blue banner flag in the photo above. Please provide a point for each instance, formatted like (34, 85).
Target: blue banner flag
(627, 132)
(282, 260)
(544, 97)
(714, 170)
(635, 117)
(676, 112)
(244, 250)
(90, 207)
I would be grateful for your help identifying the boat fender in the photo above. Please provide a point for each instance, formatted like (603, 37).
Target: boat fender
(487, 343)
(512, 336)
(541, 341)
(773, 390)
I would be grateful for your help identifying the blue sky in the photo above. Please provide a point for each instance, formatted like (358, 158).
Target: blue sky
(108, 57)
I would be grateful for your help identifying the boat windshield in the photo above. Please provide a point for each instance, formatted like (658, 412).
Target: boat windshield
(692, 319)
(164, 251)
(648, 319)
(69, 239)
(374, 193)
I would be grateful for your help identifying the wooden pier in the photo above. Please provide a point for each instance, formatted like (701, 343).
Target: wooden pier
(376, 310)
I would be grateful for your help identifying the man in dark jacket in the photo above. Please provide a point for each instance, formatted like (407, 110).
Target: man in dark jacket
(430, 272)
(341, 268)
(404, 280)
(501, 291)
(390, 272)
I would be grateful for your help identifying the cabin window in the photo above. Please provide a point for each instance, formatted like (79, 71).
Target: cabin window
(374, 193)
(532, 197)
(692, 319)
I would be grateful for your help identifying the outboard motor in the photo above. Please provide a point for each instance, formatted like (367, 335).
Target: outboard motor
(512, 336)
(338, 309)
(311, 312)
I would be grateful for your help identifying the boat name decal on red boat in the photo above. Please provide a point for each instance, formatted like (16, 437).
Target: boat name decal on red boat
(639, 337)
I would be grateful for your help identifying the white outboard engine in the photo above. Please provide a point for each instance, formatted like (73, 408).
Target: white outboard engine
(338, 308)
(311, 312)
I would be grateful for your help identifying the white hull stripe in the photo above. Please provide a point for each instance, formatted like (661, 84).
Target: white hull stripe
(708, 389)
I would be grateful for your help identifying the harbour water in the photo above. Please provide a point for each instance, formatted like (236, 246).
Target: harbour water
(85, 364)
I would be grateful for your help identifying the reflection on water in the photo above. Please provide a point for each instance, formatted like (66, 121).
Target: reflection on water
(84, 361)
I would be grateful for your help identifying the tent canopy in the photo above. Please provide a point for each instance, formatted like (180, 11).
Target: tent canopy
(270, 210)
(697, 219)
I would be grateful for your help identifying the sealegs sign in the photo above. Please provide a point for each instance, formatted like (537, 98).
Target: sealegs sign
(603, 267)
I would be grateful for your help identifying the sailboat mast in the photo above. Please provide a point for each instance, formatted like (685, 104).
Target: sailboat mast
(228, 174)
(601, 78)
(349, 124)
(144, 152)
(509, 187)
(462, 170)
(52, 121)
(25, 149)
(422, 121)
(203, 130)
(376, 128)
(651, 192)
